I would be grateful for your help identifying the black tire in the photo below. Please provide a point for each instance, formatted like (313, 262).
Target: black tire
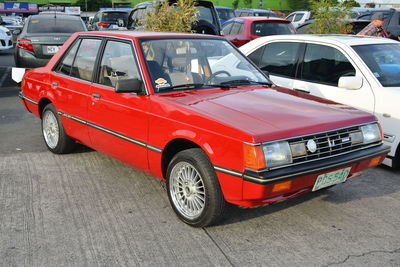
(64, 144)
(213, 205)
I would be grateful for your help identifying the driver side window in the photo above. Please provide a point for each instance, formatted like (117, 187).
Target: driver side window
(117, 63)
(325, 64)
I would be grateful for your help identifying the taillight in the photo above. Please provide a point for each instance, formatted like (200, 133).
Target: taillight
(102, 24)
(25, 44)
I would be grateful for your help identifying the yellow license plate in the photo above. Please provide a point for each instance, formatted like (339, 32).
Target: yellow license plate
(331, 178)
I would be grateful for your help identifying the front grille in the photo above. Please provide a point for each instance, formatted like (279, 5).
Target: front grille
(329, 144)
(3, 43)
(9, 43)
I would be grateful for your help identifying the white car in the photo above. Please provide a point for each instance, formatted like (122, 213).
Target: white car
(359, 71)
(5, 39)
(299, 17)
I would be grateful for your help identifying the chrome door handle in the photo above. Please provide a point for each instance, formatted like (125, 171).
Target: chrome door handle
(96, 95)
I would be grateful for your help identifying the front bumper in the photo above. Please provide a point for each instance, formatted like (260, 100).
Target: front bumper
(5, 44)
(260, 188)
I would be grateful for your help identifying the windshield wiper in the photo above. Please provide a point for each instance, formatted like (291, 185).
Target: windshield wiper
(193, 86)
(238, 82)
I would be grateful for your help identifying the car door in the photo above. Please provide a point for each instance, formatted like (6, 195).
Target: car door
(71, 82)
(280, 60)
(236, 35)
(321, 67)
(119, 121)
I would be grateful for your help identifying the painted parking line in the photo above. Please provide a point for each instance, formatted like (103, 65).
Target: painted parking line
(4, 72)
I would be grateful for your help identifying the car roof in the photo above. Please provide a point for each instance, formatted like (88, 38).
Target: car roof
(262, 18)
(223, 7)
(255, 9)
(339, 39)
(57, 16)
(143, 34)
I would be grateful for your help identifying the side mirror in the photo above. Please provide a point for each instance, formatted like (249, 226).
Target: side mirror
(350, 82)
(129, 86)
(266, 73)
(16, 32)
(121, 23)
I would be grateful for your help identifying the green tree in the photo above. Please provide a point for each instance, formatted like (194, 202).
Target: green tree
(235, 4)
(351, 3)
(299, 5)
(330, 17)
(177, 17)
(93, 5)
(247, 3)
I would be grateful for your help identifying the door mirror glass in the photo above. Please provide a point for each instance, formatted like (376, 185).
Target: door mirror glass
(16, 32)
(350, 82)
(129, 86)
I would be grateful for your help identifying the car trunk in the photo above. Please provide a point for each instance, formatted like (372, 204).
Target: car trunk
(45, 45)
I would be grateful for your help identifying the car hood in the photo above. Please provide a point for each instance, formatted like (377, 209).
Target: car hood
(3, 29)
(269, 113)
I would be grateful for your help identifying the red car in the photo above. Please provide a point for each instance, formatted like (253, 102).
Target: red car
(244, 29)
(194, 111)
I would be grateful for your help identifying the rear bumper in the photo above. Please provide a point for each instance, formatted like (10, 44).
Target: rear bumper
(263, 188)
(26, 59)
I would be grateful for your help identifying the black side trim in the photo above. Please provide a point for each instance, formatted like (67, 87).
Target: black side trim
(119, 135)
(27, 98)
(228, 171)
(273, 176)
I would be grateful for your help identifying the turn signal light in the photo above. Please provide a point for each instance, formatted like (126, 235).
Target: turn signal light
(282, 186)
(25, 44)
(375, 161)
(253, 157)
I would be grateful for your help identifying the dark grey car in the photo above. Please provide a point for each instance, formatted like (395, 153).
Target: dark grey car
(42, 36)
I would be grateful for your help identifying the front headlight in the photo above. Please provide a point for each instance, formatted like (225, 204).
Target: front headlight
(371, 133)
(277, 154)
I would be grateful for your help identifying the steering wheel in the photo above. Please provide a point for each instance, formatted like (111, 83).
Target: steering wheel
(215, 74)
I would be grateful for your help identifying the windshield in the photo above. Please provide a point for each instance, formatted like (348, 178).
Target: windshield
(55, 25)
(112, 17)
(271, 28)
(384, 62)
(189, 64)
(225, 14)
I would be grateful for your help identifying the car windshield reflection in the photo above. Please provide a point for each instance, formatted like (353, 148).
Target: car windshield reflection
(192, 64)
(384, 62)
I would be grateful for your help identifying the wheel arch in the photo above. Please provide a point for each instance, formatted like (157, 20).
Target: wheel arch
(175, 146)
(42, 104)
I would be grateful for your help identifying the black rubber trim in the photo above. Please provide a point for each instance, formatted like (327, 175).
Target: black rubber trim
(106, 130)
(27, 98)
(228, 171)
(273, 176)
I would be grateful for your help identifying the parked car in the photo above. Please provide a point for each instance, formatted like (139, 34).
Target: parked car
(392, 21)
(5, 39)
(253, 12)
(224, 13)
(242, 30)
(164, 103)
(299, 17)
(356, 26)
(42, 36)
(208, 22)
(362, 72)
(110, 20)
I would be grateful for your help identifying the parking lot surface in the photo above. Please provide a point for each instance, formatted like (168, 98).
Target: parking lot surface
(85, 209)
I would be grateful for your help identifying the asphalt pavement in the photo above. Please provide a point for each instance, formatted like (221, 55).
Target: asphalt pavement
(86, 209)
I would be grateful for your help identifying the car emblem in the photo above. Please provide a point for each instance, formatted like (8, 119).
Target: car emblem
(57, 39)
(312, 146)
(331, 143)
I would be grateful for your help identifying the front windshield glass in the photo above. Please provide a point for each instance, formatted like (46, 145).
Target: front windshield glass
(190, 64)
(384, 62)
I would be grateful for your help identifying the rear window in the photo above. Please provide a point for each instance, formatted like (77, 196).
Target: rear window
(271, 28)
(112, 17)
(54, 25)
